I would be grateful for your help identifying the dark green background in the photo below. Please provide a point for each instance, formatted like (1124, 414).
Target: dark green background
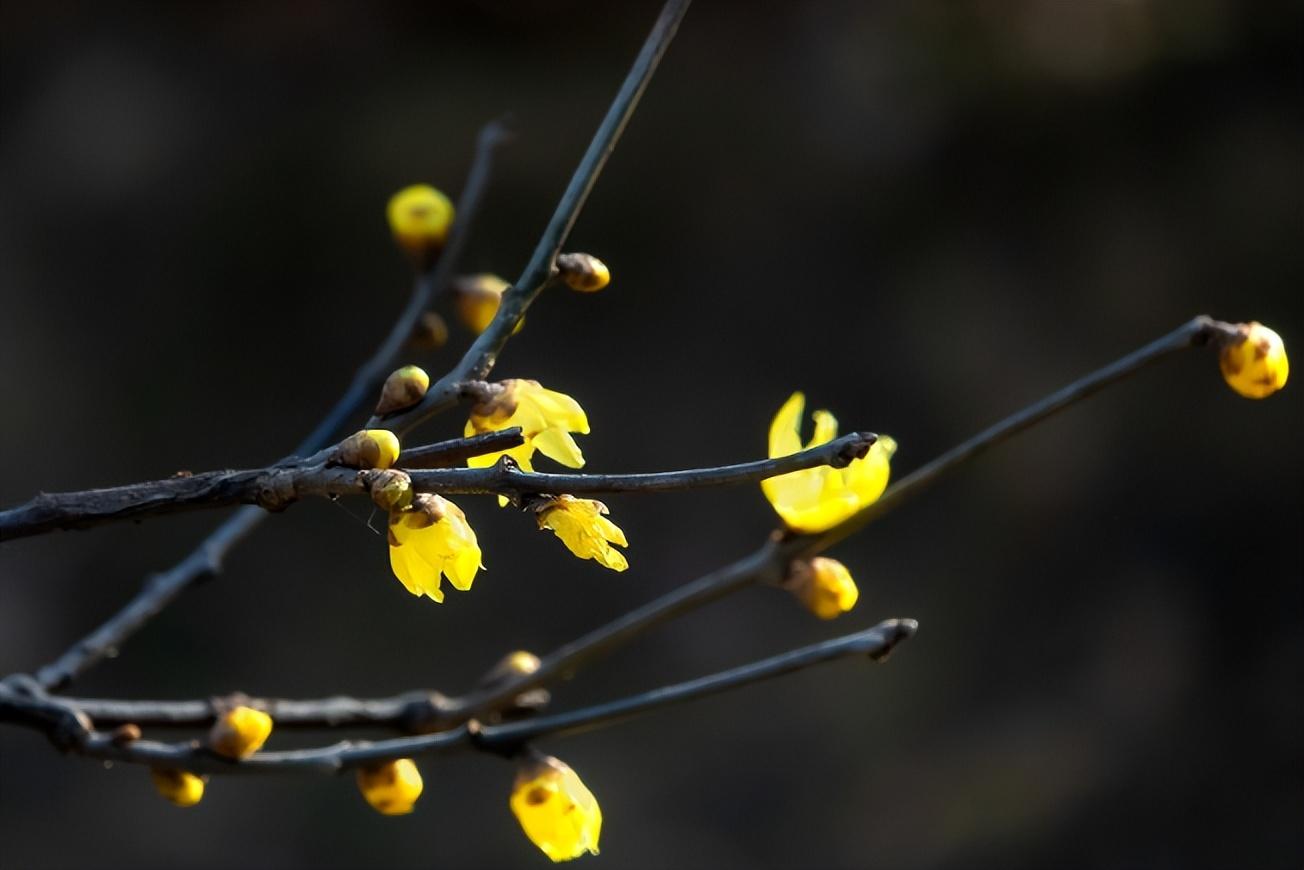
(924, 214)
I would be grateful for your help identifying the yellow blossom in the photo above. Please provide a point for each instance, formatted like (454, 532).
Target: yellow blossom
(819, 498)
(391, 788)
(476, 298)
(403, 388)
(369, 448)
(583, 527)
(240, 732)
(556, 810)
(823, 586)
(1255, 364)
(180, 787)
(419, 217)
(430, 539)
(547, 419)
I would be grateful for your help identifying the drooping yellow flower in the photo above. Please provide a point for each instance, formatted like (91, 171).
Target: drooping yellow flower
(823, 586)
(429, 539)
(420, 217)
(1255, 365)
(179, 786)
(391, 788)
(583, 527)
(556, 810)
(817, 499)
(547, 419)
(240, 732)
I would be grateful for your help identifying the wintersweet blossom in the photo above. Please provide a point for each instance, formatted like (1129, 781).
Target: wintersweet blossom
(392, 788)
(823, 586)
(432, 538)
(556, 810)
(817, 499)
(240, 732)
(1255, 365)
(583, 527)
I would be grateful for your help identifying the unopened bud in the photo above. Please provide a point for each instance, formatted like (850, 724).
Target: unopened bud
(182, 788)
(240, 732)
(430, 332)
(420, 217)
(1254, 363)
(403, 388)
(392, 788)
(823, 586)
(583, 272)
(391, 490)
(369, 448)
(476, 298)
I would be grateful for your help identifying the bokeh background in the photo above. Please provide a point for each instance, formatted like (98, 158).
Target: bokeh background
(924, 214)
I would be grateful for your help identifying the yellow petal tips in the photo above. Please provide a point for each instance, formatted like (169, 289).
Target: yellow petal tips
(547, 420)
(391, 788)
(582, 525)
(556, 810)
(1254, 364)
(430, 540)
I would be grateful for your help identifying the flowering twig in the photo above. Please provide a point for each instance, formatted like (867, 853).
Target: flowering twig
(206, 559)
(481, 356)
(276, 488)
(71, 730)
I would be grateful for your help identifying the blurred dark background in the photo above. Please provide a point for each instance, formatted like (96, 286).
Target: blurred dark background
(926, 215)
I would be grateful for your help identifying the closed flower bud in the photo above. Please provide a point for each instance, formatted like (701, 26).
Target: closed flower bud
(369, 448)
(391, 490)
(391, 788)
(178, 786)
(430, 332)
(583, 272)
(518, 663)
(420, 217)
(403, 388)
(823, 586)
(476, 298)
(240, 732)
(1254, 363)
(556, 810)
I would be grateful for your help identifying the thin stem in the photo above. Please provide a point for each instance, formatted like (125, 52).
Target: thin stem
(482, 355)
(206, 559)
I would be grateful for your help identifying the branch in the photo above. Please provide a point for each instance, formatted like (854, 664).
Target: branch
(482, 355)
(206, 559)
(70, 728)
(276, 488)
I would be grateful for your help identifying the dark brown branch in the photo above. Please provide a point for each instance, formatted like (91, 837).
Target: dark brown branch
(449, 454)
(278, 487)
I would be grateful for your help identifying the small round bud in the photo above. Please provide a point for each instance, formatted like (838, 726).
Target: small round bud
(823, 586)
(124, 734)
(403, 388)
(419, 218)
(391, 490)
(476, 298)
(369, 448)
(1254, 363)
(180, 787)
(391, 788)
(583, 272)
(430, 332)
(240, 732)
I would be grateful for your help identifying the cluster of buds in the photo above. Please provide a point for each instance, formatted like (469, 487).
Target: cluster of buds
(237, 734)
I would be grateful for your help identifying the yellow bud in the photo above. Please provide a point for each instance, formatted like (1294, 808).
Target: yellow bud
(391, 788)
(476, 298)
(369, 448)
(556, 810)
(823, 586)
(1254, 364)
(180, 787)
(419, 218)
(430, 332)
(391, 490)
(240, 732)
(403, 388)
(583, 272)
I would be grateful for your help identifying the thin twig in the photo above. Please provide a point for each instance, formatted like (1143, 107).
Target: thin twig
(71, 730)
(276, 488)
(206, 559)
(482, 355)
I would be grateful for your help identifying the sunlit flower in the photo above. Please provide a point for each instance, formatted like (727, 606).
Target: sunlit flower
(430, 539)
(240, 732)
(180, 787)
(547, 419)
(391, 788)
(420, 217)
(583, 527)
(823, 586)
(819, 498)
(1255, 365)
(556, 810)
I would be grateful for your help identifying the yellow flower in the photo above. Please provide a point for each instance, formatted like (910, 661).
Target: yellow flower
(403, 388)
(391, 788)
(547, 419)
(556, 810)
(419, 217)
(584, 529)
(180, 787)
(240, 732)
(476, 298)
(1255, 365)
(430, 539)
(369, 448)
(816, 499)
(823, 586)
